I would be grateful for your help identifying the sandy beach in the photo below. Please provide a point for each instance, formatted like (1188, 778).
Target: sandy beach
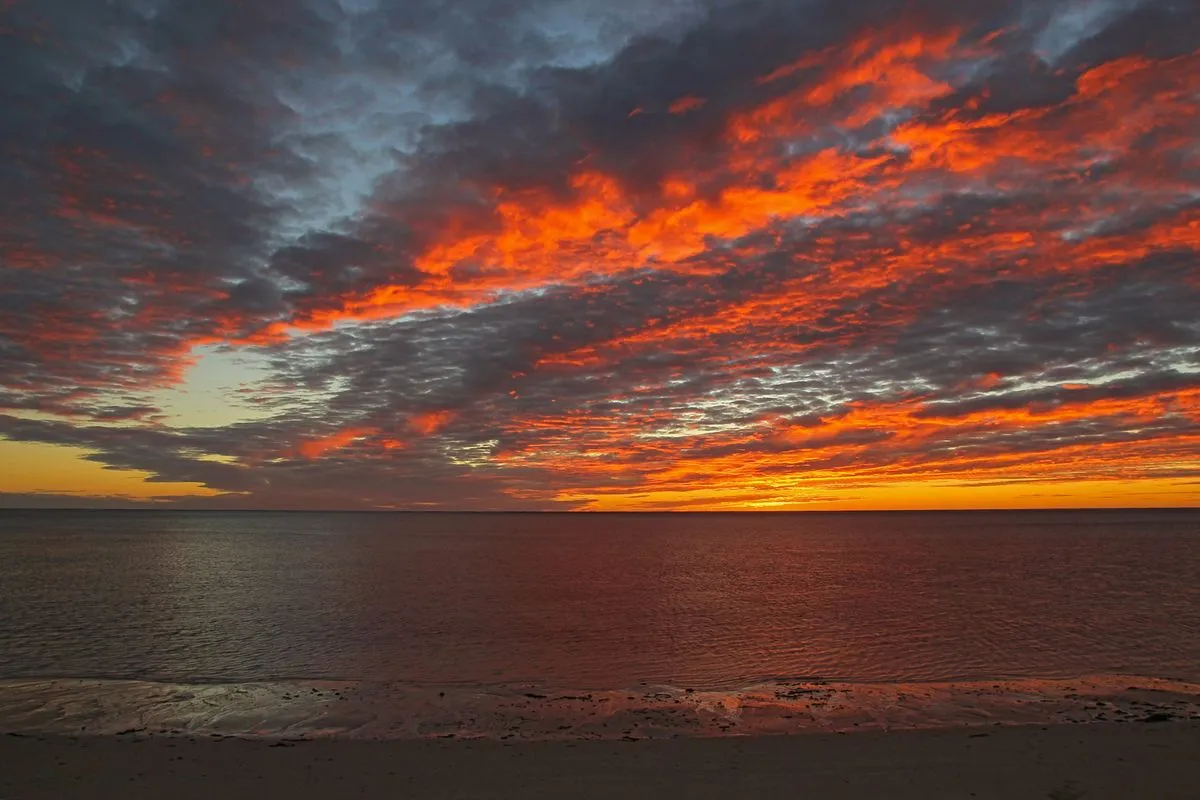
(1093, 761)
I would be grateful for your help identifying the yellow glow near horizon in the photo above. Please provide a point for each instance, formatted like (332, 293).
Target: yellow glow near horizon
(35, 468)
(1148, 493)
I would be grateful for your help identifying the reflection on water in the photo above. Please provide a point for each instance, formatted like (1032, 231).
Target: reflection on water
(598, 601)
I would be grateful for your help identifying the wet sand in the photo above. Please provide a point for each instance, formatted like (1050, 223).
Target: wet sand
(358, 710)
(1088, 761)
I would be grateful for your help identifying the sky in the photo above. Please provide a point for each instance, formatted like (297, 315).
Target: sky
(585, 255)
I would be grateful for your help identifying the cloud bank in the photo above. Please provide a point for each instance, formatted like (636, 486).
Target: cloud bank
(564, 255)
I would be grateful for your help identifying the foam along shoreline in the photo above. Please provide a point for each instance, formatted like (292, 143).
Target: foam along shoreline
(393, 711)
(1093, 762)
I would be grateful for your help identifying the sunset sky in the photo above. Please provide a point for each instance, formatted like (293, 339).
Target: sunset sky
(600, 254)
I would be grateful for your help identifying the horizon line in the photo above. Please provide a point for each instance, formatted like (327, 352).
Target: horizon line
(989, 510)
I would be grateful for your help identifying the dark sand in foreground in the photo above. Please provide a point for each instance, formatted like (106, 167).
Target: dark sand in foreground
(1132, 760)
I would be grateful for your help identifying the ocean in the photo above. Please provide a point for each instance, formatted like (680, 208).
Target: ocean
(108, 616)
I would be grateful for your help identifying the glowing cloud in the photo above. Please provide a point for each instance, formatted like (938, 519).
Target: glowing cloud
(938, 256)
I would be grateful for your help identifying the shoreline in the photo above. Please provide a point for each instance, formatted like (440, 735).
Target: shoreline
(524, 712)
(1089, 761)
(1094, 737)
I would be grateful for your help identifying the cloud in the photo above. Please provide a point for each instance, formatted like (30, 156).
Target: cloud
(520, 255)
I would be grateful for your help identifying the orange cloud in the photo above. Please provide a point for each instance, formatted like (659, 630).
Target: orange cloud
(316, 448)
(430, 422)
(843, 169)
(530, 237)
(686, 105)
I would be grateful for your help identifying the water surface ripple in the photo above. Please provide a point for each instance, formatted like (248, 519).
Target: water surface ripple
(598, 601)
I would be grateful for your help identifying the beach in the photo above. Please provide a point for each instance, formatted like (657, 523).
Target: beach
(1092, 761)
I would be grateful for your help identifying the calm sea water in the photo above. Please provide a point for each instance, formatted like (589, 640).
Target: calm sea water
(598, 601)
